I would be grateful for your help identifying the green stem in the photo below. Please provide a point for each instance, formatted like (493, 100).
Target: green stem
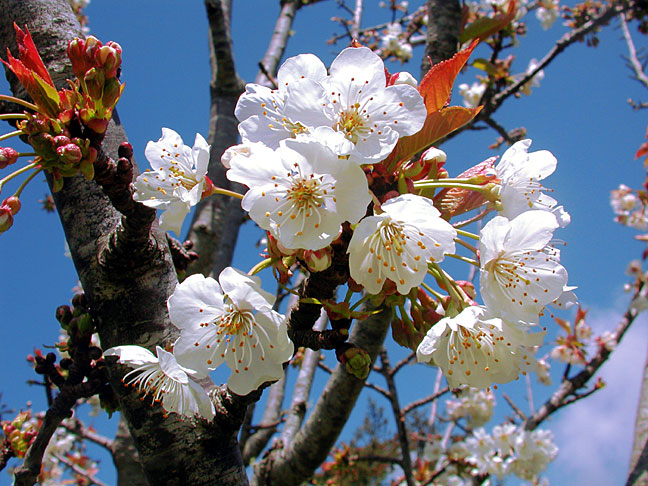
(450, 284)
(458, 185)
(13, 116)
(6, 179)
(467, 234)
(360, 301)
(463, 259)
(18, 101)
(261, 266)
(218, 190)
(11, 134)
(26, 181)
(432, 291)
(466, 245)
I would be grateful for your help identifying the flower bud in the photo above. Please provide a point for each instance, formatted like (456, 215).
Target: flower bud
(356, 361)
(6, 218)
(76, 51)
(64, 314)
(70, 153)
(318, 260)
(8, 156)
(13, 203)
(404, 77)
(109, 57)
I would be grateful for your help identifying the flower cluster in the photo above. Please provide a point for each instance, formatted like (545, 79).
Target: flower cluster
(474, 404)
(328, 160)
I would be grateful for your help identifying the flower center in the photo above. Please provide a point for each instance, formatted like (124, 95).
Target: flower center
(235, 321)
(352, 123)
(305, 192)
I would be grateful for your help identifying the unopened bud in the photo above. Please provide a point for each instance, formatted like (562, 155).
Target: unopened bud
(70, 153)
(8, 156)
(318, 260)
(125, 150)
(434, 154)
(404, 77)
(109, 57)
(357, 361)
(6, 218)
(76, 51)
(64, 314)
(13, 203)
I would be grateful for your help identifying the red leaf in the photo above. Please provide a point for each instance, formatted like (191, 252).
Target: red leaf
(436, 86)
(29, 56)
(643, 150)
(437, 125)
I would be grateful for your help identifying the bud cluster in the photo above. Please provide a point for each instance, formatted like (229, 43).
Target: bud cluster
(20, 432)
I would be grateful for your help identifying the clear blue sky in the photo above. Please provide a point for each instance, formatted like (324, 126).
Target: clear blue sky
(579, 113)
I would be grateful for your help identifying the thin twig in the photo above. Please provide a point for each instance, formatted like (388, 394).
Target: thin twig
(568, 387)
(399, 416)
(433, 408)
(78, 470)
(357, 19)
(633, 59)
(424, 401)
(515, 408)
(403, 362)
(76, 427)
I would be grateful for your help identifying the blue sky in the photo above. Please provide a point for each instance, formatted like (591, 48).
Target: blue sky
(579, 113)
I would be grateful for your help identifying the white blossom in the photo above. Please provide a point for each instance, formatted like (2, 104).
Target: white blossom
(231, 323)
(474, 404)
(177, 180)
(548, 12)
(476, 349)
(302, 192)
(394, 43)
(398, 243)
(520, 271)
(472, 94)
(162, 377)
(519, 173)
(532, 451)
(262, 111)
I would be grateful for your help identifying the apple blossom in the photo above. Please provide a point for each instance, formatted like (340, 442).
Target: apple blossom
(232, 323)
(520, 272)
(477, 349)
(177, 180)
(164, 379)
(398, 243)
(302, 192)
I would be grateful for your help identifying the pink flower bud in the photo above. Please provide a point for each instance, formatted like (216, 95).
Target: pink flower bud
(70, 153)
(112, 90)
(13, 203)
(6, 218)
(76, 51)
(109, 57)
(8, 156)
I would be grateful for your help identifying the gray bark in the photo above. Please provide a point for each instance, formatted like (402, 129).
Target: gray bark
(128, 295)
(442, 36)
(638, 475)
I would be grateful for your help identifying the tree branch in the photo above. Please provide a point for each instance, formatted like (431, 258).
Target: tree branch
(570, 386)
(633, 59)
(313, 442)
(399, 416)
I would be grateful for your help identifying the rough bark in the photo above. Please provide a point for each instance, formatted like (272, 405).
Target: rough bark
(216, 220)
(442, 36)
(638, 475)
(127, 297)
(126, 459)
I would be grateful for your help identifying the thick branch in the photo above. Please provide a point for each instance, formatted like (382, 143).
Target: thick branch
(313, 442)
(638, 474)
(216, 220)
(633, 59)
(442, 37)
